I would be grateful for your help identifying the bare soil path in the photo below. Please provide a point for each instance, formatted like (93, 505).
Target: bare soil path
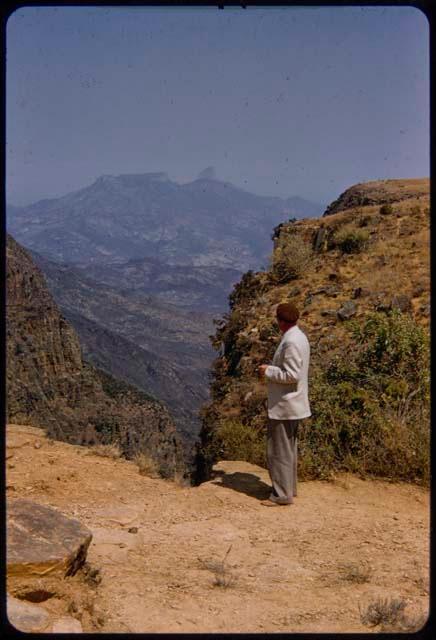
(304, 568)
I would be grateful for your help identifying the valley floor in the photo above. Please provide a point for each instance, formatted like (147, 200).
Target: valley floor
(294, 569)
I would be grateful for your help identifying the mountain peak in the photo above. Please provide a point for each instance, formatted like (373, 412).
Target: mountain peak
(156, 176)
(207, 174)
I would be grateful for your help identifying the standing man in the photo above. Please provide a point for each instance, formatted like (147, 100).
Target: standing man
(288, 403)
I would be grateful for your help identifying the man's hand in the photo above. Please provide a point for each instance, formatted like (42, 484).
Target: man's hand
(261, 369)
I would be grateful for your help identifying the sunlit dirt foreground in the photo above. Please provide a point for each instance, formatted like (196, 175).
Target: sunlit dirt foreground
(172, 558)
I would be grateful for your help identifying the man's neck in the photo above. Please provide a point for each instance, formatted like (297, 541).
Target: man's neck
(289, 326)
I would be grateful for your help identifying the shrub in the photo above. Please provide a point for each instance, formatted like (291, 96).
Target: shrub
(350, 239)
(390, 615)
(146, 464)
(290, 259)
(223, 575)
(107, 450)
(166, 470)
(364, 221)
(353, 572)
(386, 611)
(386, 209)
(239, 441)
(371, 407)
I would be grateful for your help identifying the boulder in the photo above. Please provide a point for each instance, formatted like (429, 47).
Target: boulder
(319, 239)
(26, 617)
(328, 312)
(360, 292)
(41, 541)
(348, 310)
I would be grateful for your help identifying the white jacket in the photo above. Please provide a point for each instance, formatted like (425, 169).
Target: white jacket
(287, 377)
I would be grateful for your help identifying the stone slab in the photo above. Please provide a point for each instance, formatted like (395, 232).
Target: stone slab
(118, 514)
(26, 617)
(42, 541)
(112, 545)
(67, 625)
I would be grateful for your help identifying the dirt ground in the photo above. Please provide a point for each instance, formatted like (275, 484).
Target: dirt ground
(310, 567)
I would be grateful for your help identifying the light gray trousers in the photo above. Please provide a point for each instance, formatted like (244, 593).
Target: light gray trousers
(281, 456)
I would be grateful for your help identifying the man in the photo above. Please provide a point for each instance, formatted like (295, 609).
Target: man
(288, 403)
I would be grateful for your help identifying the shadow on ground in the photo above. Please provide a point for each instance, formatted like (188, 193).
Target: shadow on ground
(247, 483)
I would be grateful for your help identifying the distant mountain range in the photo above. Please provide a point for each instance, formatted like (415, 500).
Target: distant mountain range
(206, 222)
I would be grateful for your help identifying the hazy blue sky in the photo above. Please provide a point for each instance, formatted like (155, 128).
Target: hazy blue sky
(281, 101)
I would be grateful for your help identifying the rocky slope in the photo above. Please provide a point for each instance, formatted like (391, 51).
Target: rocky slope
(197, 289)
(358, 259)
(161, 349)
(203, 223)
(314, 567)
(49, 384)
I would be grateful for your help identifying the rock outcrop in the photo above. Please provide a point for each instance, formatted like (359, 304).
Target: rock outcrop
(41, 541)
(379, 192)
(50, 385)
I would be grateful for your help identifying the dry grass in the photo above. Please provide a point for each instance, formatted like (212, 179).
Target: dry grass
(353, 572)
(107, 450)
(383, 611)
(146, 465)
(389, 614)
(223, 576)
(180, 480)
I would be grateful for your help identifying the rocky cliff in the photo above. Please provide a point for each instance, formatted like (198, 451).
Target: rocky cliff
(361, 279)
(50, 385)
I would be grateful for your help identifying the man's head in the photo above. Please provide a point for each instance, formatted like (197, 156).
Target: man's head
(287, 315)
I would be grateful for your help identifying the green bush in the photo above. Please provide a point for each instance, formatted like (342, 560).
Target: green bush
(370, 409)
(290, 258)
(238, 441)
(350, 239)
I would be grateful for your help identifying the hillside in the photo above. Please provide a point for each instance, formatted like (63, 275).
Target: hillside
(342, 546)
(356, 274)
(49, 384)
(161, 349)
(206, 222)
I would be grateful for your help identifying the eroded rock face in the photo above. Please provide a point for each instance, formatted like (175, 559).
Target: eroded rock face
(49, 385)
(42, 541)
